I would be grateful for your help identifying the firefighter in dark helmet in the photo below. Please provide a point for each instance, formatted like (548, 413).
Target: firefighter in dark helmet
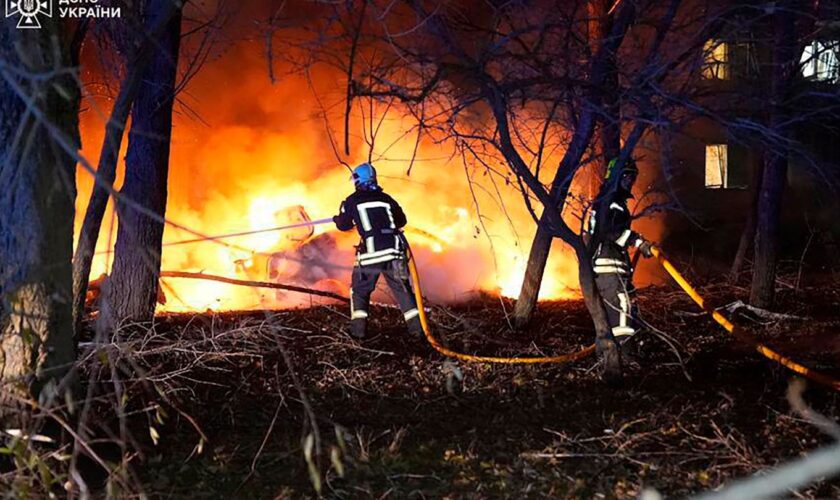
(610, 238)
(382, 250)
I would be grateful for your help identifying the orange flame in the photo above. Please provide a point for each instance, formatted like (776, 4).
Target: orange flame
(266, 150)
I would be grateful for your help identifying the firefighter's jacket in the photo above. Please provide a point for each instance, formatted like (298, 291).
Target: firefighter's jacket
(611, 236)
(378, 218)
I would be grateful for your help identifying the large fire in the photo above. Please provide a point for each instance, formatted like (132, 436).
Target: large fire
(248, 155)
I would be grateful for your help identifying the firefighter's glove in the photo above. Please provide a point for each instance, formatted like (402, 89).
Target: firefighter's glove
(646, 248)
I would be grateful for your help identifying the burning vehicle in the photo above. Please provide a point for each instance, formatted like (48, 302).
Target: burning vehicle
(301, 258)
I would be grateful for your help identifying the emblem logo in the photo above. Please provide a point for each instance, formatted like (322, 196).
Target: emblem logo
(28, 10)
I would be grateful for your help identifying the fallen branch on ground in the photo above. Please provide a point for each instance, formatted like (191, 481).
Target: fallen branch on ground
(259, 284)
(761, 313)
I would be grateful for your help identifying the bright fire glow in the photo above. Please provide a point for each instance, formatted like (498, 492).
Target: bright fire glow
(266, 152)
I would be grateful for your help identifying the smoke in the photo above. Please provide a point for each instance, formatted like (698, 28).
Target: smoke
(245, 150)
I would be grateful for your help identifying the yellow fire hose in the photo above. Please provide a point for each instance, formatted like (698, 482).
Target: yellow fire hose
(574, 356)
(788, 363)
(415, 279)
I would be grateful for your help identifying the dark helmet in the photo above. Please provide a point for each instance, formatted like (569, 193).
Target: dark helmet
(630, 168)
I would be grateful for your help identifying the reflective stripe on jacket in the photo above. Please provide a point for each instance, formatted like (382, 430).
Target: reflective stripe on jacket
(378, 218)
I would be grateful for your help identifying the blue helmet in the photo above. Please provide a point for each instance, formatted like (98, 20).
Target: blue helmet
(364, 176)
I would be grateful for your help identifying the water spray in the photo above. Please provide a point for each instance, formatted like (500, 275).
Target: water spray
(308, 223)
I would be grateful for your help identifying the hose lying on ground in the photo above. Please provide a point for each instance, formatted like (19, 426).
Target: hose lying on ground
(738, 332)
(730, 327)
(418, 295)
(681, 281)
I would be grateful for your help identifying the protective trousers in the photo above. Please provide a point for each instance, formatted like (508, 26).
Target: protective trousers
(617, 292)
(364, 282)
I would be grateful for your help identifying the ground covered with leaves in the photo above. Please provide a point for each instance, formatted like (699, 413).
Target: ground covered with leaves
(288, 404)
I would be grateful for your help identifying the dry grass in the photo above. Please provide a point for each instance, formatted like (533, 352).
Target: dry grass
(274, 403)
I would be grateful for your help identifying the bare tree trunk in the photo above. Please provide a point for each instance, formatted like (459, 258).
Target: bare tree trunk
(762, 292)
(748, 234)
(610, 129)
(106, 172)
(610, 142)
(763, 289)
(107, 169)
(534, 272)
(133, 286)
(604, 341)
(36, 213)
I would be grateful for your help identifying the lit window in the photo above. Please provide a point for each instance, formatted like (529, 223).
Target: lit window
(819, 61)
(716, 60)
(717, 166)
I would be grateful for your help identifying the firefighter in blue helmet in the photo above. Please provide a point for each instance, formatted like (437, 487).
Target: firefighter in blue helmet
(379, 219)
(610, 237)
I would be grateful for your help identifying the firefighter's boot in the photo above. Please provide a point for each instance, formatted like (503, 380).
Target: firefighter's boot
(611, 356)
(415, 328)
(358, 328)
(629, 349)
